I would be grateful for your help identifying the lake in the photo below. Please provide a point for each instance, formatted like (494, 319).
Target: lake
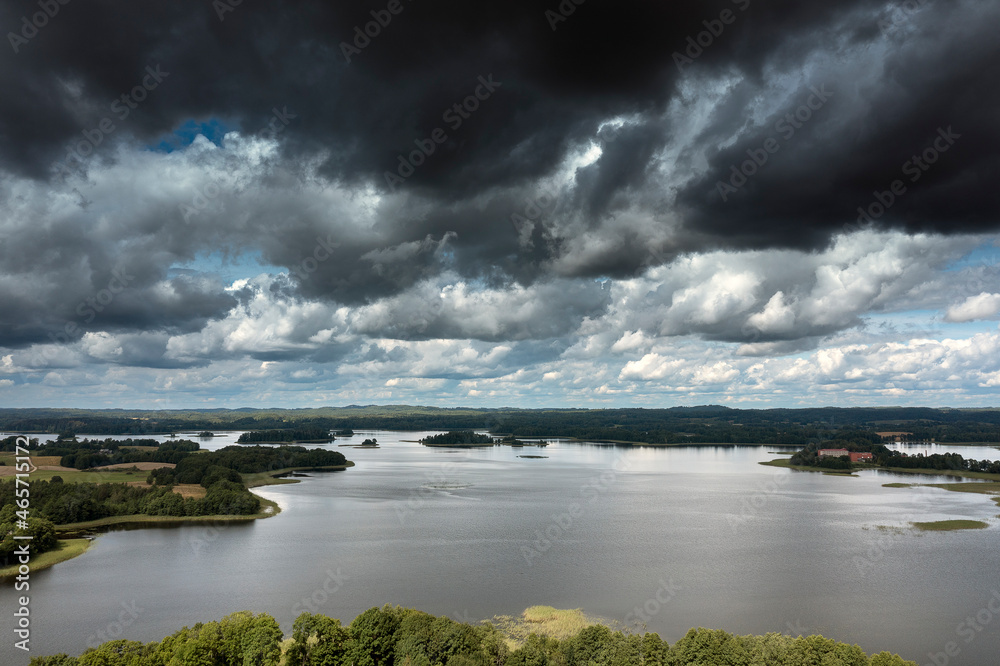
(668, 538)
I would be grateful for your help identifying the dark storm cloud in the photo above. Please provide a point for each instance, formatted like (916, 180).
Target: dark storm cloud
(556, 85)
(927, 122)
(542, 90)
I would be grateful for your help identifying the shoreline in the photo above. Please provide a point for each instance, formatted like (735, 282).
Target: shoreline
(66, 550)
(985, 476)
(987, 484)
(75, 540)
(786, 464)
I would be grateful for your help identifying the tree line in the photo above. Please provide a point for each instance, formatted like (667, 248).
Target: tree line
(87, 453)
(884, 457)
(394, 636)
(458, 437)
(63, 503)
(220, 472)
(43, 534)
(300, 435)
(702, 424)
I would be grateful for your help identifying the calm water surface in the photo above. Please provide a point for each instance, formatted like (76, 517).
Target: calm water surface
(670, 538)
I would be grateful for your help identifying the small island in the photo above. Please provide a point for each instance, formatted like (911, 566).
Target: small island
(468, 438)
(289, 436)
(951, 525)
(459, 438)
(510, 440)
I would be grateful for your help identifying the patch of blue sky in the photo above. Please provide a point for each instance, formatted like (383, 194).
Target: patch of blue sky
(929, 323)
(987, 254)
(212, 129)
(228, 266)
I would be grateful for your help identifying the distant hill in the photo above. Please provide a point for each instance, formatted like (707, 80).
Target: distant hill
(699, 424)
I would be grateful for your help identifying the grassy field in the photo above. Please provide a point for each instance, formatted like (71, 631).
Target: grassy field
(951, 525)
(8, 457)
(89, 476)
(128, 476)
(186, 490)
(979, 488)
(788, 465)
(983, 488)
(944, 472)
(67, 549)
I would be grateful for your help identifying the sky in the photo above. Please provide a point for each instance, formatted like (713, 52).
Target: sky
(755, 203)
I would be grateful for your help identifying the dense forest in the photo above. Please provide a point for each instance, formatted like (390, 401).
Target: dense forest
(394, 636)
(301, 435)
(457, 438)
(63, 503)
(706, 424)
(245, 460)
(56, 502)
(43, 534)
(883, 457)
(94, 453)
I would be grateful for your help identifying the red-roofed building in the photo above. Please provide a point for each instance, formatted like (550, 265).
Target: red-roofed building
(861, 457)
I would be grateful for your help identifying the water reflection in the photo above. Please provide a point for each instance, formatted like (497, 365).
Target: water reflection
(743, 547)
